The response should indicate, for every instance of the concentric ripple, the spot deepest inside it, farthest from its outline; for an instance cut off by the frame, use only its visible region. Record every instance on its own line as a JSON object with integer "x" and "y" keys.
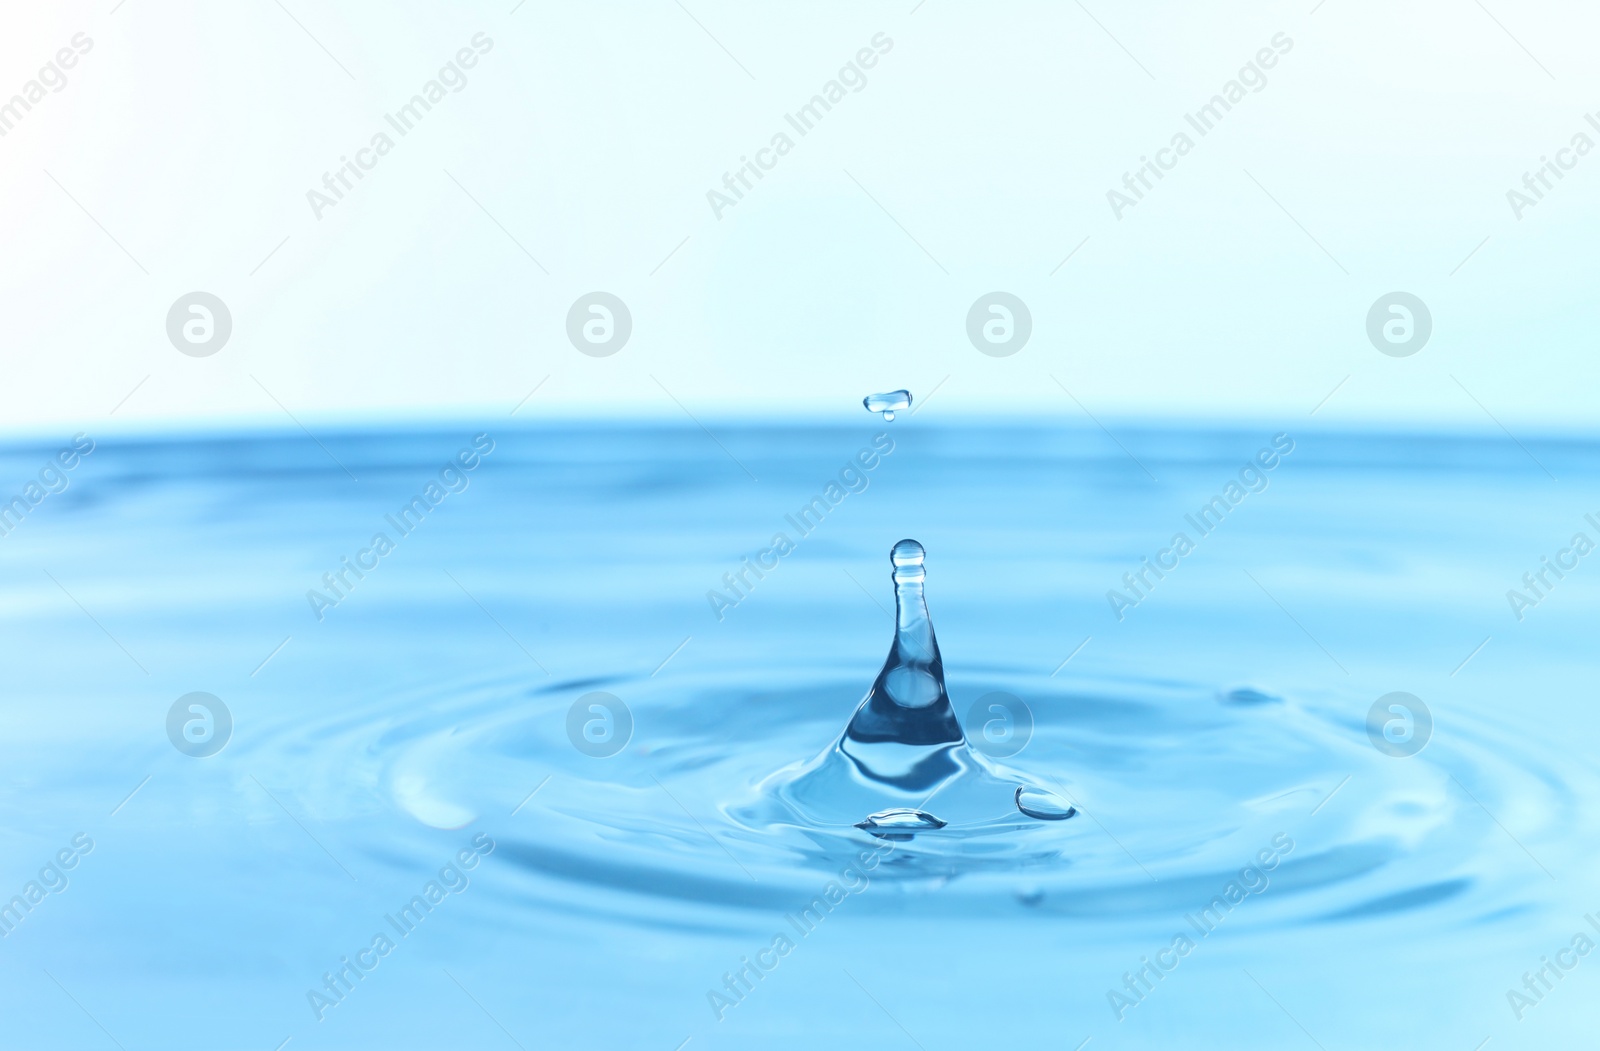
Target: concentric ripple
{"x": 1177, "y": 792}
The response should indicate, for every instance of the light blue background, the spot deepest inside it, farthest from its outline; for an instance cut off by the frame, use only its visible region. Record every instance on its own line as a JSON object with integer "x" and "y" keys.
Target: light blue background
{"x": 592, "y": 133}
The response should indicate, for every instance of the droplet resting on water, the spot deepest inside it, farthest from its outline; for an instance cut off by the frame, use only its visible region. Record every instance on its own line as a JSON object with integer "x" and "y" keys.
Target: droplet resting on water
{"x": 888, "y": 403}
{"x": 899, "y": 823}
{"x": 1046, "y": 806}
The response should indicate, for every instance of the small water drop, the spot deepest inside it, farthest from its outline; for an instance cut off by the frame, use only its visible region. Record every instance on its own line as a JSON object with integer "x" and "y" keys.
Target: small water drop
{"x": 1046, "y": 806}
{"x": 900, "y": 823}
{"x": 888, "y": 403}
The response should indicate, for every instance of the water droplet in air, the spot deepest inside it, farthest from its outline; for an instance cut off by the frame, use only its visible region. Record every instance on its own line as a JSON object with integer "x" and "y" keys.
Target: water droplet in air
{"x": 888, "y": 403}
{"x": 1046, "y": 806}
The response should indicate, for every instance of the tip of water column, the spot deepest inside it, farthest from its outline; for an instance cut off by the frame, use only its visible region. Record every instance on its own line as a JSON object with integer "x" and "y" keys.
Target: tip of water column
{"x": 907, "y": 553}
{"x": 907, "y": 561}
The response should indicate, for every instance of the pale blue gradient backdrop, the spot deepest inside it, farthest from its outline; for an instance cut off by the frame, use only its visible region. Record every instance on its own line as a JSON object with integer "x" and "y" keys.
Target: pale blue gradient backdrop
{"x": 592, "y": 133}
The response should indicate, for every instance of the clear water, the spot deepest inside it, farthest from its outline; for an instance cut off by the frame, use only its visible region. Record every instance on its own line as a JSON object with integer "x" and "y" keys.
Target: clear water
{"x": 546, "y": 770}
{"x": 888, "y": 404}
{"x": 904, "y": 742}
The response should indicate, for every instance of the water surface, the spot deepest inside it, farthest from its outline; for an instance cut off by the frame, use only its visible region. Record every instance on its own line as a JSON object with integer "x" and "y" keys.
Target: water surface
{"x": 538, "y": 745}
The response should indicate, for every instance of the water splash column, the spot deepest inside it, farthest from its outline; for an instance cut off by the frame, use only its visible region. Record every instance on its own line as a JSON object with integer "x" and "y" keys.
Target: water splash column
{"x": 904, "y": 745}
{"x": 914, "y": 673}
{"x": 908, "y": 705}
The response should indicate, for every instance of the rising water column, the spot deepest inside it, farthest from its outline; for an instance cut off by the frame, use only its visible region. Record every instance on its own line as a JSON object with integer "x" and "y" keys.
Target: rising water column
{"x": 904, "y": 747}
{"x": 905, "y": 731}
